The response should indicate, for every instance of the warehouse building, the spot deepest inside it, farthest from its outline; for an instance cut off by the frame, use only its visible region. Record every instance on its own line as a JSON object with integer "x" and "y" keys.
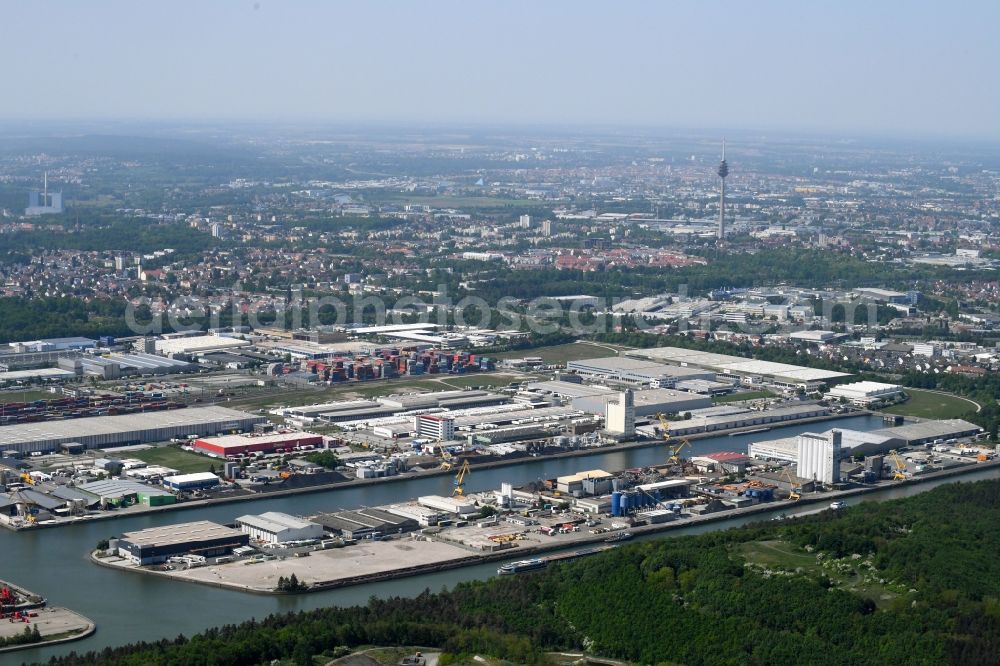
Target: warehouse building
{"x": 926, "y": 432}
{"x": 743, "y": 418}
{"x": 140, "y": 428}
{"x": 190, "y": 482}
{"x": 158, "y": 544}
{"x": 123, "y": 365}
{"x": 330, "y": 409}
{"x": 277, "y": 527}
{"x": 648, "y": 402}
{"x": 200, "y": 344}
{"x": 636, "y": 371}
{"x": 852, "y": 443}
{"x": 747, "y": 371}
{"x": 591, "y": 482}
{"x": 444, "y": 400}
{"x": 864, "y": 394}
{"x": 236, "y": 445}
{"x": 460, "y": 506}
{"x": 366, "y": 523}
{"x": 123, "y": 492}
{"x": 40, "y": 375}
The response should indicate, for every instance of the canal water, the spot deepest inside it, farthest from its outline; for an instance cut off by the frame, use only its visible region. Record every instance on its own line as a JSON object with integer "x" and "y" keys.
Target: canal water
{"x": 132, "y": 607}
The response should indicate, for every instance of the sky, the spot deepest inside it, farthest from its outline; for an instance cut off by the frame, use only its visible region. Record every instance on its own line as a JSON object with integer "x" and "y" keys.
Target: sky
{"x": 885, "y": 66}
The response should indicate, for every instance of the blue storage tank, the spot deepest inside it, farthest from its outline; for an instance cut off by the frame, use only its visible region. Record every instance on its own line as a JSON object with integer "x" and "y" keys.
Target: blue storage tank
{"x": 616, "y": 504}
{"x": 626, "y": 502}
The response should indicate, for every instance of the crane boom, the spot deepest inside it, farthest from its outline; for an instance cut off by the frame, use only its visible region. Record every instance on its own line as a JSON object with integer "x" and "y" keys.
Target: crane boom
{"x": 459, "y": 482}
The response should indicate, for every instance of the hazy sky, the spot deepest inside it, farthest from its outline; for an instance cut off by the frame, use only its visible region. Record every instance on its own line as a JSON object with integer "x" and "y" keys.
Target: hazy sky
{"x": 842, "y": 65}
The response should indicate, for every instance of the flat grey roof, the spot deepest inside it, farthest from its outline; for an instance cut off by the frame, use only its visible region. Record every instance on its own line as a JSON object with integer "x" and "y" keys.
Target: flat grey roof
{"x": 930, "y": 429}
{"x": 571, "y": 389}
{"x": 119, "y": 488}
{"x": 167, "y": 535}
{"x": 627, "y": 364}
{"x": 735, "y": 364}
{"x": 100, "y": 425}
{"x": 274, "y": 522}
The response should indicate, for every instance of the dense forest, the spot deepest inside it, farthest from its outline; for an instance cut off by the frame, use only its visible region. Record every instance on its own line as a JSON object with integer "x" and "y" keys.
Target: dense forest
{"x": 910, "y": 581}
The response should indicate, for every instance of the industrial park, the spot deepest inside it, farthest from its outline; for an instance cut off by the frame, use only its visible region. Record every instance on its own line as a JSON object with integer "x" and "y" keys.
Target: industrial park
{"x": 106, "y": 453}
{"x": 574, "y": 515}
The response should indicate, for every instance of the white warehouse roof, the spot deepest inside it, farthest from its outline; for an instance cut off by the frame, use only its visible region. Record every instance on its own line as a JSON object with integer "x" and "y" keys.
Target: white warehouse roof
{"x": 737, "y": 364}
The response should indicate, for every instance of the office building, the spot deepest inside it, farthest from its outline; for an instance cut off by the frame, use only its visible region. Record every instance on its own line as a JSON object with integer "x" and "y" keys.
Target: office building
{"x": 434, "y": 427}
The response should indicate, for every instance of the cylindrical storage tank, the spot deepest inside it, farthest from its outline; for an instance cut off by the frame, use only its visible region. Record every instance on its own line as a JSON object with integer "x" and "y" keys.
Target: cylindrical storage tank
{"x": 616, "y": 504}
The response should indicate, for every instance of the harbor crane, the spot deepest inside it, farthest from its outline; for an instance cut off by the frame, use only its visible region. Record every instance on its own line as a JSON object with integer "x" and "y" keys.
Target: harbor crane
{"x": 459, "y": 481}
{"x": 675, "y": 449}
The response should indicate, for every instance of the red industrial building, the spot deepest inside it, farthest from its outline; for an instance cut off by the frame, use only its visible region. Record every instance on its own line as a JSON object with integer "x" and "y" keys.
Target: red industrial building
{"x": 272, "y": 442}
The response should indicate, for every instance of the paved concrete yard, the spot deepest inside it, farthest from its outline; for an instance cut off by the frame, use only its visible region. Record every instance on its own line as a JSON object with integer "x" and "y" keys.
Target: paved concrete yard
{"x": 365, "y": 557}
{"x": 50, "y": 622}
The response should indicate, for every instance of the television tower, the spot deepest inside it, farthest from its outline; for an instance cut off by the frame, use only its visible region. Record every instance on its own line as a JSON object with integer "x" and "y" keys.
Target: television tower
{"x": 723, "y": 172}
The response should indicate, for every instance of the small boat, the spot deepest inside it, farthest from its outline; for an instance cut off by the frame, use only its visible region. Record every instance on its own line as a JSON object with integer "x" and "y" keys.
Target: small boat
{"x": 521, "y": 566}
{"x": 748, "y": 432}
{"x": 836, "y": 506}
{"x": 621, "y": 536}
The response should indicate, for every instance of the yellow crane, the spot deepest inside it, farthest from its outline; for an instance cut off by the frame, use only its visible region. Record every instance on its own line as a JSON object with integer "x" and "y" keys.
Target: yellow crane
{"x": 675, "y": 449}
{"x": 899, "y": 469}
{"x": 794, "y": 490}
{"x": 459, "y": 482}
{"x": 448, "y": 460}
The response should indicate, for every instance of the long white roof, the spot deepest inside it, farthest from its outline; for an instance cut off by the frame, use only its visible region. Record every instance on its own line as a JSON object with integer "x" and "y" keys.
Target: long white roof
{"x": 100, "y": 425}
{"x": 737, "y": 364}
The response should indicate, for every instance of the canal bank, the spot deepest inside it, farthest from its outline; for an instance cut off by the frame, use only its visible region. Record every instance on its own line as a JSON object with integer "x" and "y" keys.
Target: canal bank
{"x": 507, "y": 461}
{"x": 134, "y": 608}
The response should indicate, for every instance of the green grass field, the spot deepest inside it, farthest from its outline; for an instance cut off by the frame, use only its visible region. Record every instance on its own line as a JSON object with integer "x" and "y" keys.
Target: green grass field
{"x": 26, "y": 396}
{"x": 928, "y": 405}
{"x": 563, "y": 353}
{"x": 174, "y": 457}
{"x": 748, "y": 395}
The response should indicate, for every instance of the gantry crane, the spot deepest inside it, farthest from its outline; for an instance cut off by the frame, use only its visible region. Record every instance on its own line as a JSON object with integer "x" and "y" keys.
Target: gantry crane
{"x": 899, "y": 469}
{"x": 675, "y": 449}
{"x": 459, "y": 482}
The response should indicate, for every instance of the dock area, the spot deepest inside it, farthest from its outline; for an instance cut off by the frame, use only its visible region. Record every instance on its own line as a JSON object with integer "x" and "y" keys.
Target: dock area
{"x": 369, "y": 560}
{"x": 26, "y": 621}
